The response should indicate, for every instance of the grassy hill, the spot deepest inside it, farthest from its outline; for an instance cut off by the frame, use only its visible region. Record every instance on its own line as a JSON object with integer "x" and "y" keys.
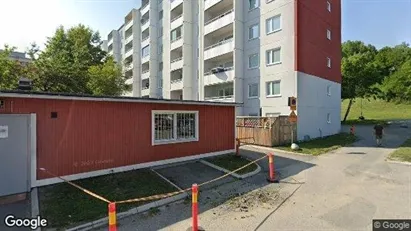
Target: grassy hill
{"x": 375, "y": 111}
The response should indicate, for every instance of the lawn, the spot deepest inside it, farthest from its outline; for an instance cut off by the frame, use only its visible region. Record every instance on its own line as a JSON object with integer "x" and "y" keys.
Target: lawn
{"x": 64, "y": 205}
{"x": 232, "y": 162}
{"x": 323, "y": 145}
{"x": 375, "y": 111}
{"x": 403, "y": 153}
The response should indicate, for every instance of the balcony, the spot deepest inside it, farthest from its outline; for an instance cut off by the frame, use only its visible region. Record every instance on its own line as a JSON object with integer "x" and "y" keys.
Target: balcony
{"x": 145, "y": 41}
{"x": 229, "y": 98}
{"x": 128, "y": 66}
{"x": 145, "y": 74}
{"x": 129, "y": 38}
{"x": 210, "y": 3}
{"x": 145, "y": 25}
{"x": 128, "y": 53}
{"x": 219, "y": 22}
{"x": 110, "y": 41}
{"x": 145, "y": 92}
{"x": 176, "y": 84}
{"x": 178, "y": 42}
{"x": 129, "y": 81}
{"x": 175, "y": 3}
{"x": 219, "y": 48}
{"x": 225, "y": 75}
{"x": 219, "y": 92}
{"x": 176, "y": 64}
{"x": 145, "y": 59}
{"x": 129, "y": 24}
{"x": 145, "y": 8}
{"x": 176, "y": 22}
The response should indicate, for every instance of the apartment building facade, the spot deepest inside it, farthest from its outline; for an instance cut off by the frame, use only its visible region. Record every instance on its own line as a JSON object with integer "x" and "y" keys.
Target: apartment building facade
{"x": 254, "y": 52}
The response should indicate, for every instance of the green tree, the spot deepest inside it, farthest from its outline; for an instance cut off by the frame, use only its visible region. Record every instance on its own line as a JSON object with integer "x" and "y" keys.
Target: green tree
{"x": 64, "y": 64}
{"x": 10, "y": 70}
{"x": 360, "y": 73}
{"x": 398, "y": 85}
{"x": 107, "y": 79}
{"x": 390, "y": 59}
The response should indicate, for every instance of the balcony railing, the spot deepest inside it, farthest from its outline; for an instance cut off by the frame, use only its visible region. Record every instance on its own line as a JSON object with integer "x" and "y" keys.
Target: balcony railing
{"x": 176, "y": 60}
{"x": 176, "y": 80}
{"x": 144, "y": 39}
{"x": 145, "y": 5}
{"x": 225, "y": 69}
{"x": 146, "y": 71}
{"x": 219, "y": 97}
{"x": 218, "y": 17}
{"x": 175, "y": 18}
{"x": 175, "y": 40}
{"x": 218, "y": 44}
{"x": 145, "y": 87}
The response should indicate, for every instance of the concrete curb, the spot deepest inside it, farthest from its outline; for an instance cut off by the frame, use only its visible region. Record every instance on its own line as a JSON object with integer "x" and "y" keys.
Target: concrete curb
{"x": 34, "y": 202}
{"x": 248, "y": 147}
{"x": 398, "y": 162}
{"x": 233, "y": 174}
{"x": 139, "y": 209}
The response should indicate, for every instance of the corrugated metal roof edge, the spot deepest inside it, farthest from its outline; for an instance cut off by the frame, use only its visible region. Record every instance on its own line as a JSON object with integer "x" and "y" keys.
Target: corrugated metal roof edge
{"x": 70, "y": 96}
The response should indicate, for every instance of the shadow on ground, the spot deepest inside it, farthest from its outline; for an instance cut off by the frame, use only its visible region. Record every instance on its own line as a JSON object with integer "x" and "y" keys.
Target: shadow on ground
{"x": 216, "y": 193}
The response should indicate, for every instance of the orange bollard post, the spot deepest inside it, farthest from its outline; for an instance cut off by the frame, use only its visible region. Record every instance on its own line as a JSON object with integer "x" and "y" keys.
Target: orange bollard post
{"x": 352, "y": 130}
{"x": 272, "y": 176}
{"x": 194, "y": 209}
{"x": 237, "y": 147}
{"x": 112, "y": 223}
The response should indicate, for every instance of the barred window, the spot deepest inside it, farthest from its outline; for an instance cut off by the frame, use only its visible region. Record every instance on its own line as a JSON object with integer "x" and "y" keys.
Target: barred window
{"x": 174, "y": 127}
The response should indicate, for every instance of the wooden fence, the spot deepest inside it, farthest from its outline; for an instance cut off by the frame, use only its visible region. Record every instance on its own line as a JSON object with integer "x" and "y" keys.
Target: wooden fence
{"x": 265, "y": 131}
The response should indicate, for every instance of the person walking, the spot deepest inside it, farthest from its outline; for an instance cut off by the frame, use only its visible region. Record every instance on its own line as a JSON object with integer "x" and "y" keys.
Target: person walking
{"x": 378, "y": 132}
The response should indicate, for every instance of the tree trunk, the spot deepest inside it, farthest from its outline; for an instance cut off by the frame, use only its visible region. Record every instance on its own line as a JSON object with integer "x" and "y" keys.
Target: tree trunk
{"x": 348, "y": 110}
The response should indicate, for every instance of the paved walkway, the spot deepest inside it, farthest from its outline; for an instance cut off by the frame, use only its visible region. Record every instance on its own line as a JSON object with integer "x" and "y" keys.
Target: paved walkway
{"x": 342, "y": 190}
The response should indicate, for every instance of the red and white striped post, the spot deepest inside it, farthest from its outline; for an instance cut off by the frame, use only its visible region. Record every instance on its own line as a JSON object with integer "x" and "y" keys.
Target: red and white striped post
{"x": 271, "y": 177}
{"x": 112, "y": 221}
{"x": 194, "y": 209}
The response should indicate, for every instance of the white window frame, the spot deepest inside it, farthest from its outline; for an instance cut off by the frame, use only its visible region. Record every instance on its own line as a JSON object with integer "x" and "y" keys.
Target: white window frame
{"x": 328, "y": 34}
{"x": 329, "y": 6}
{"x": 258, "y": 59}
{"x": 258, "y": 31}
{"x": 257, "y": 5}
{"x": 258, "y": 91}
{"x": 272, "y": 50}
{"x": 328, "y": 118}
{"x": 329, "y": 90}
{"x": 271, "y": 18}
{"x": 174, "y": 140}
{"x": 274, "y": 81}
{"x": 328, "y": 62}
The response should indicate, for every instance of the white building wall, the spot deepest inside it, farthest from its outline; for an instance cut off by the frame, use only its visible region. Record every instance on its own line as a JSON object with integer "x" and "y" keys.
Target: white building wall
{"x": 314, "y": 104}
{"x": 136, "y": 53}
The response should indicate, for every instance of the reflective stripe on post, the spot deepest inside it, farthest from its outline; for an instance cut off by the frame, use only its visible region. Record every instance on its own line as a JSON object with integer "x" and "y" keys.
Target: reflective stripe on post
{"x": 194, "y": 211}
{"x": 112, "y": 221}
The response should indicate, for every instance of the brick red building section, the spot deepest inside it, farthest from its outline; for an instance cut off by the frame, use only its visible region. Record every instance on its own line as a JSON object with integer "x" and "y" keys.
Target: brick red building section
{"x": 95, "y": 135}
{"x": 312, "y": 46}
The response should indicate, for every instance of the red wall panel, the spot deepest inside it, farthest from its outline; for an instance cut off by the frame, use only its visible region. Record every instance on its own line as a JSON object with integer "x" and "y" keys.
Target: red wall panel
{"x": 313, "y": 19}
{"x": 94, "y": 135}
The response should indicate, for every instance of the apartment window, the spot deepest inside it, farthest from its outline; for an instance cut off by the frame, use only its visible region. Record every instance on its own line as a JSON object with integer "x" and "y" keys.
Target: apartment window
{"x": 253, "y": 61}
{"x": 329, "y": 90}
{"x": 273, "y": 56}
{"x": 174, "y": 127}
{"x": 145, "y": 51}
{"x": 273, "y": 24}
{"x": 176, "y": 34}
{"x": 328, "y": 6}
{"x": 160, "y": 15}
{"x": 253, "y": 32}
{"x": 160, "y": 31}
{"x": 160, "y": 49}
{"x": 328, "y": 118}
{"x": 253, "y": 114}
{"x": 273, "y": 88}
{"x": 254, "y": 4}
{"x": 160, "y": 66}
{"x": 329, "y": 62}
{"x": 328, "y": 34}
{"x": 226, "y": 92}
{"x": 253, "y": 90}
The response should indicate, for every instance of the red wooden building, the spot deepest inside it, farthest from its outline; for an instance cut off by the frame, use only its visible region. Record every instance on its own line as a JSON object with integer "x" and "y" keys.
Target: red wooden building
{"x": 84, "y": 136}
